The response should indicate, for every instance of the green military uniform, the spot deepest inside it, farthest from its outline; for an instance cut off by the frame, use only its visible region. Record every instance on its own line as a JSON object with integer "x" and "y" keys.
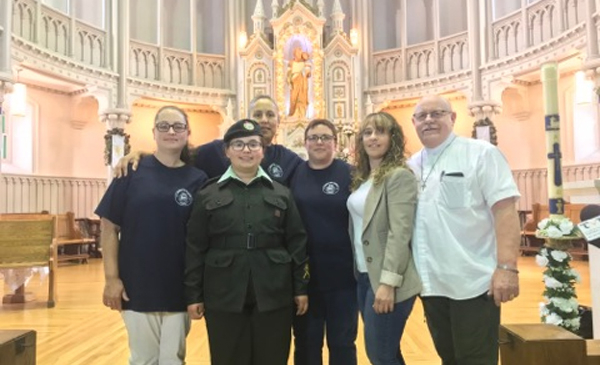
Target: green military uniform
{"x": 246, "y": 260}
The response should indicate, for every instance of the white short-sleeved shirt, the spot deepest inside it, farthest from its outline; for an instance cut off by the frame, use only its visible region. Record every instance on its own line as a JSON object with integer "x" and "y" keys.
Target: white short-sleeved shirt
{"x": 454, "y": 241}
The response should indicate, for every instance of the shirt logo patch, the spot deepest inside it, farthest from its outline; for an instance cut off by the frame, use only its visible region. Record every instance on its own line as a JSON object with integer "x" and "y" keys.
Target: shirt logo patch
{"x": 331, "y": 188}
{"x": 275, "y": 170}
{"x": 183, "y": 198}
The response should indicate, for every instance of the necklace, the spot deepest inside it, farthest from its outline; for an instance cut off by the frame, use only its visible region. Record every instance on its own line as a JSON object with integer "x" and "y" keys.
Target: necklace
{"x": 424, "y": 180}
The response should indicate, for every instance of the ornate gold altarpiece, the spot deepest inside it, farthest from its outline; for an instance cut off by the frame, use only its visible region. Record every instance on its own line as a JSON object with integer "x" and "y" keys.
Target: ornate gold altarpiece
{"x": 332, "y": 92}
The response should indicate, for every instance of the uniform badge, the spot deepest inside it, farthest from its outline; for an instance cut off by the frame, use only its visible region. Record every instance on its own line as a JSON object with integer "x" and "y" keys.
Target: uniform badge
{"x": 306, "y": 275}
{"x": 183, "y": 198}
{"x": 248, "y": 126}
{"x": 331, "y": 188}
{"x": 275, "y": 170}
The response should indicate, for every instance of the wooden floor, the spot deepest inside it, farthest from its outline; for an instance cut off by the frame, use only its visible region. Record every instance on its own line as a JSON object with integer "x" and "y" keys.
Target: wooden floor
{"x": 81, "y": 331}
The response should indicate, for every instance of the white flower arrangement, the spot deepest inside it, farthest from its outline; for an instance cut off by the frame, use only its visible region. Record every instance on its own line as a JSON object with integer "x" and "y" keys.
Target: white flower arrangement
{"x": 556, "y": 228}
{"x": 560, "y": 307}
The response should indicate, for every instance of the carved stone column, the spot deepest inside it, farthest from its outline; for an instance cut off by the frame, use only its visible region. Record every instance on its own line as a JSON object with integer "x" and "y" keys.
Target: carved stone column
{"x": 482, "y": 110}
{"x": 116, "y": 141}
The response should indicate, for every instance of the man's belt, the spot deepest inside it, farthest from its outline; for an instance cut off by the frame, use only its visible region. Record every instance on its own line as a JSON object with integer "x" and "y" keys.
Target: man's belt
{"x": 248, "y": 241}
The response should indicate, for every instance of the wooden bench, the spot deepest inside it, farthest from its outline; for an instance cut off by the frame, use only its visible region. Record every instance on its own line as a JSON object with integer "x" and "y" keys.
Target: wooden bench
{"x": 66, "y": 230}
{"x": 29, "y": 242}
{"x": 68, "y": 234}
{"x": 22, "y": 216}
{"x": 530, "y": 243}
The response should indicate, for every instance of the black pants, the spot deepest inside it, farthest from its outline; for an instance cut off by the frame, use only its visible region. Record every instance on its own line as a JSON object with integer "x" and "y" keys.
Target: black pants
{"x": 465, "y": 332}
{"x": 250, "y": 337}
{"x": 330, "y": 313}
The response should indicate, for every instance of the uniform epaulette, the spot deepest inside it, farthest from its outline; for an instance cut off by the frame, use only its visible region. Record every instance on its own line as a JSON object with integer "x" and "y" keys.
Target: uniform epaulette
{"x": 210, "y": 181}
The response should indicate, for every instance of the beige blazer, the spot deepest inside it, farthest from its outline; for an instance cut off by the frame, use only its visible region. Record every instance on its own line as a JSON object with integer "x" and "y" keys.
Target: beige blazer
{"x": 387, "y": 230}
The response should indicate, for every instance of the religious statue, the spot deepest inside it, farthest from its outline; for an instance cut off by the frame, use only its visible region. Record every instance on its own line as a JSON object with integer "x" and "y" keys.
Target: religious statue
{"x": 298, "y": 74}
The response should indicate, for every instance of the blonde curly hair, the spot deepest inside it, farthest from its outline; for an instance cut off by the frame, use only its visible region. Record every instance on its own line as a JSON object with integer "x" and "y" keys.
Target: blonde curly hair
{"x": 394, "y": 157}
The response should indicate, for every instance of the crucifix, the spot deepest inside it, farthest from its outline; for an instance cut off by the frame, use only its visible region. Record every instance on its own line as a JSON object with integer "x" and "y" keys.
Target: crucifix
{"x": 556, "y": 155}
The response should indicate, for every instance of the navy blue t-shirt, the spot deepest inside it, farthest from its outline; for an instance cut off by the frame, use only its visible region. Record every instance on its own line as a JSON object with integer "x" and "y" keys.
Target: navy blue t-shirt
{"x": 152, "y": 206}
{"x": 279, "y": 162}
{"x": 321, "y": 198}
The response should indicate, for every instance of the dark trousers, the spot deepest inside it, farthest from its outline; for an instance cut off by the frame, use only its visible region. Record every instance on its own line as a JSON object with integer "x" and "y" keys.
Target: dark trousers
{"x": 250, "y": 337}
{"x": 465, "y": 332}
{"x": 331, "y": 313}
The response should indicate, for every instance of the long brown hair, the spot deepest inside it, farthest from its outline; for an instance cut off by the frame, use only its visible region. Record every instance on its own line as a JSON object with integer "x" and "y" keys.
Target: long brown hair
{"x": 394, "y": 157}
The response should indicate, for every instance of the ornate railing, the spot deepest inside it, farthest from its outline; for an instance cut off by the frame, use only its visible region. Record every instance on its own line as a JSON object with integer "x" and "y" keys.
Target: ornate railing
{"x": 210, "y": 70}
{"x": 533, "y": 186}
{"x": 27, "y": 193}
{"x": 513, "y": 34}
{"x": 507, "y": 39}
{"x": 90, "y": 45}
{"x": 143, "y": 60}
{"x": 51, "y": 30}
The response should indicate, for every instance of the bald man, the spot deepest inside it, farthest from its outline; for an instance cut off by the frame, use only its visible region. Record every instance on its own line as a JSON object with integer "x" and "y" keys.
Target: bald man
{"x": 466, "y": 237}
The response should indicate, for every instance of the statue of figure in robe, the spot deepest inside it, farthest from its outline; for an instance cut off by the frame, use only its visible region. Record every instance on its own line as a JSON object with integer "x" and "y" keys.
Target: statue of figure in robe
{"x": 298, "y": 73}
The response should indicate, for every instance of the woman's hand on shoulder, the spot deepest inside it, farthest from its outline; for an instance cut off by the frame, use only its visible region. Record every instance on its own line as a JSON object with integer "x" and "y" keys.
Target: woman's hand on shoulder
{"x": 132, "y": 158}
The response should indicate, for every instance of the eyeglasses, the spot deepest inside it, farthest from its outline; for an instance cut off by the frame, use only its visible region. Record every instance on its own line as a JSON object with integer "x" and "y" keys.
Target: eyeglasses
{"x": 165, "y": 127}
{"x": 435, "y": 114}
{"x": 324, "y": 138}
{"x": 239, "y": 145}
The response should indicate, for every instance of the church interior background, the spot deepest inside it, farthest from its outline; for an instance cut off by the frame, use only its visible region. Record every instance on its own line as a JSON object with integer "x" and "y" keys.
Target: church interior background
{"x": 96, "y": 71}
{"x": 81, "y": 81}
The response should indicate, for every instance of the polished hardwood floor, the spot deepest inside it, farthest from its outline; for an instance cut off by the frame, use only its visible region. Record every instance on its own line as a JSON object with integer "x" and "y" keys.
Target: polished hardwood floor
{"x": 81, "y": 331}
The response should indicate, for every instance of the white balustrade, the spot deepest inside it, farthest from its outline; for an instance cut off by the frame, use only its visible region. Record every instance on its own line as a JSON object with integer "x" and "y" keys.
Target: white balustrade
{"x": 533, "y": 186}
{"x": 29, "y": 194}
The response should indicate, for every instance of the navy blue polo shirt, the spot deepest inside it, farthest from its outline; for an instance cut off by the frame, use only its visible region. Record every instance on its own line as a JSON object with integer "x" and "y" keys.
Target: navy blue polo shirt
{"x": 321, "y": 199}
{"x": 152, "y": 206}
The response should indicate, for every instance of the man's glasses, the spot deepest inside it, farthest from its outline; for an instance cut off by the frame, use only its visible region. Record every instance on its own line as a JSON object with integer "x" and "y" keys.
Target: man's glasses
{"x": 325, "y": 138}
{"x": 436, "y": 114}
{"x": 239, "y": 145}
{"x": 165, "y": 126}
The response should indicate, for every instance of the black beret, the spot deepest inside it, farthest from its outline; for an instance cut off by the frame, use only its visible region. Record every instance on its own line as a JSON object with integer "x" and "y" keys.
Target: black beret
{"x": 242, "y": 128}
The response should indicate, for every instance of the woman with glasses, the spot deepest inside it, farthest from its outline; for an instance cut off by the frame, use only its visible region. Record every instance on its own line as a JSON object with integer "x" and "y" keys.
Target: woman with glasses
{"x": 246, "y": 262}
{"x": 321, "y": 187}
{"x": 382, "y": 209}
{"x": 143, "y": 221}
